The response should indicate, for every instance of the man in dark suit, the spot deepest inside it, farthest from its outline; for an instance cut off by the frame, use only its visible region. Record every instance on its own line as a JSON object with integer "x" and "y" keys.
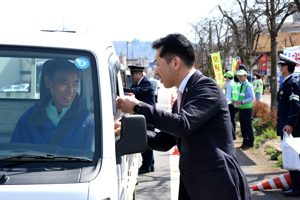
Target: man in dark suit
{"x": 143, "y": 91}
{"x": 199, "y": 125}
{"x": 288, "y": 112}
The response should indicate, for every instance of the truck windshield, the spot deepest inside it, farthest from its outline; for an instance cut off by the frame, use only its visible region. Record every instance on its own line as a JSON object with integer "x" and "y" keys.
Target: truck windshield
{"x": 46, "y": 103}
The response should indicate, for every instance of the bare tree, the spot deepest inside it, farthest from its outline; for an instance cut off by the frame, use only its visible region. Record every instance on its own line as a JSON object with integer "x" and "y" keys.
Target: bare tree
{"x": 202, "y": 46}
{"x": 297, "y": 4}
{"x": 246, "y": 29}
{"x": 276, "y": 12}
{"x": 289, "y": 40}
{"x": 213, "y": 36}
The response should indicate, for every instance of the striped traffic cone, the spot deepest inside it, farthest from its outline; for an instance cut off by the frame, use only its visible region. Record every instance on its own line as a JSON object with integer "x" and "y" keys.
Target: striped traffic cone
{"x": 283, "y": 181}
{"x": 175, "y": 152}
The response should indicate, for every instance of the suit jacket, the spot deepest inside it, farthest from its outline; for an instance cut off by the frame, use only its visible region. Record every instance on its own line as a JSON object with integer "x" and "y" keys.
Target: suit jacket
{"x": 288, "y": 106}
{"x": 143, "y": 92}
{"x": 202, "y": 131}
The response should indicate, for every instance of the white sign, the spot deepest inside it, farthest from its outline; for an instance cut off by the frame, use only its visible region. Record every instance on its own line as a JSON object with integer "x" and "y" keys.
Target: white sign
{"x": 293, "y": 52}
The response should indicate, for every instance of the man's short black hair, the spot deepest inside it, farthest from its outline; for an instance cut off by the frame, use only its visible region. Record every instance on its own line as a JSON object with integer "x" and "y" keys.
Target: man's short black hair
{"x": 176, "y": 45}
{"x": 60, "y": 65}
{"x": 291, "y": 67}
{"x": 258, "y": 75}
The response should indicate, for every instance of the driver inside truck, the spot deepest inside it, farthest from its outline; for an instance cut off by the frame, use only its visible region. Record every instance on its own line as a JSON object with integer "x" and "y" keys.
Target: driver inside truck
{"x": 60, "y": 118}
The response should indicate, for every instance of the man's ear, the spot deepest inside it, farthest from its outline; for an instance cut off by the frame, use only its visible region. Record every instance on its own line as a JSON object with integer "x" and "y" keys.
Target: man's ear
{"x": 47, "y": 81}
{"x": 177, "y": 62}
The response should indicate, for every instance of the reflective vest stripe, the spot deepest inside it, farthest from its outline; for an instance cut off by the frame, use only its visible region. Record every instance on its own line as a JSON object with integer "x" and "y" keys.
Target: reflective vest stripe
{"x": 242, "y": 96}
{"x": 258, "y": 90}
{"x": 234, "y": 90}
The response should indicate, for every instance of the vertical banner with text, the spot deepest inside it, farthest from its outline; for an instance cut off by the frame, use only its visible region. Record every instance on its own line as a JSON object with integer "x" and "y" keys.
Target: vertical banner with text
{"x": 234, "y": 63}
{"x": 216, "y": 61}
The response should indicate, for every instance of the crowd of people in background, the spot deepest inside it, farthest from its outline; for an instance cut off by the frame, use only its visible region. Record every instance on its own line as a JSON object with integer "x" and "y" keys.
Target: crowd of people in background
{"x": 203, "y": 120}
{"x": 240, "y": 93}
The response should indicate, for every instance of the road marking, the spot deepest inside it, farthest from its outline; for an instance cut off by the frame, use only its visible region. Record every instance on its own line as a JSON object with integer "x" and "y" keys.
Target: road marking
{"x": 174, "y": 171}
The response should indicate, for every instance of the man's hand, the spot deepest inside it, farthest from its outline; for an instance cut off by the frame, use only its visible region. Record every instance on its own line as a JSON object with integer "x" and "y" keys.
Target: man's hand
{"x": 239, "y": 103}
{"x": 117, "y": 126}
{"x": 126, "y": 104}
{"x": 288, "y": 129}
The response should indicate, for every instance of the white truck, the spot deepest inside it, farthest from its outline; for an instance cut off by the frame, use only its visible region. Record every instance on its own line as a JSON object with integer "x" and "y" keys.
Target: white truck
{"x": 108, "y": 169}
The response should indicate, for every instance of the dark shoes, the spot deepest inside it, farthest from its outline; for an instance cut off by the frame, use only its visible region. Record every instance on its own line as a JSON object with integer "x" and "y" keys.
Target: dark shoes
{"x": 152, "y": 169}
{"x": 143, "y": 171}
{"x": 244, "y": 147}
{"x": 240, "y": 147}
{"x": 285, "y": 189}
{"x": 291, "y": 193}
{"x": 247, "y": 147}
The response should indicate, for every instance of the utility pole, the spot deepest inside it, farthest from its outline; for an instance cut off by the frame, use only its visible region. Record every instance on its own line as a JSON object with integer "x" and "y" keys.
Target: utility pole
{"x": 132, "y": 50}
{"x": 210, "y": 51}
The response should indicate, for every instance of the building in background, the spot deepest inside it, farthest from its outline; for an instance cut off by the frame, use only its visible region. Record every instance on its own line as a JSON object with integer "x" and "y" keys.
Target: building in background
{"x": 287, "y": 37}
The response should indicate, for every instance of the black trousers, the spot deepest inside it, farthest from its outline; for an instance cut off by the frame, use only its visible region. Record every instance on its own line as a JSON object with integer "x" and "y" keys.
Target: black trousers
{"x": 295, "y": 176}
{"x": 245, "y": 116}
{"x": 148, "y": 158}
{"x": 233, "y": 111}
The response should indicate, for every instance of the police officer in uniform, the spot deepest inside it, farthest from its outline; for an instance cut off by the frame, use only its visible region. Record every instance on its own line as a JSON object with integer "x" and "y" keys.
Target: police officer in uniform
{"x": 288, "y": 112}
{"x": 232, "y": 94}
{"x": 143, "y": 91}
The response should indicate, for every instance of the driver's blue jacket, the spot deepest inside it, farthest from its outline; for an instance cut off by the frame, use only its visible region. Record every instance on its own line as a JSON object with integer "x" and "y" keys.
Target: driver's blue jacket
{"x": 35, "y": 127}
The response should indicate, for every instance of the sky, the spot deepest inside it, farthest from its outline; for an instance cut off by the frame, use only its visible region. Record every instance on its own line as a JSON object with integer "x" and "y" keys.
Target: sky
{"x": 118, "y": 20}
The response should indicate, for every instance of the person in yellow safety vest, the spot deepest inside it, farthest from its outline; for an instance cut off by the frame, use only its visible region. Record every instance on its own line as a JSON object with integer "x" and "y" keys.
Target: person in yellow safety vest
{"x": 232, "y": 94}
{"x": 245, "y": 105}
{"x": 258, "y": 87}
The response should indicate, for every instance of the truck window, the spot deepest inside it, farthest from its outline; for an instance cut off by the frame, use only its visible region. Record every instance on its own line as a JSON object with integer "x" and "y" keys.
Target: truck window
{"x": 47, "y": 102}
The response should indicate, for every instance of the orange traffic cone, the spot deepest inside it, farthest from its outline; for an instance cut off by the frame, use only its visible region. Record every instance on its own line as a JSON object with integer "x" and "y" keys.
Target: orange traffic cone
{"x": 172, "y": 101}
{"x": 175, "y": 152}
{"x": 283, "y": 181}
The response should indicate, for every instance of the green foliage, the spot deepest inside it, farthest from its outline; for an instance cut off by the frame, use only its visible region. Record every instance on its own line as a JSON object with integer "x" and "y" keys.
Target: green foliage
{"x": 257, "y": 125}
{"x": 279, "y": 160}
{"x": 269, "y": 134}
{"x": 269, "y": 150}
{"x": 275, "y": 154}
{"x": 258, "y": 141}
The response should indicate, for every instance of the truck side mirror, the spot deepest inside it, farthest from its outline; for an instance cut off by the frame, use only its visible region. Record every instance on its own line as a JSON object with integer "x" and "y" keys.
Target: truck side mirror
{"x": 133, "y": 135}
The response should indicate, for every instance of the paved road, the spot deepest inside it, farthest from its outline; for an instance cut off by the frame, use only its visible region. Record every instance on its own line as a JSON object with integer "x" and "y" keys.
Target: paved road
{"x": 163, "y": 183}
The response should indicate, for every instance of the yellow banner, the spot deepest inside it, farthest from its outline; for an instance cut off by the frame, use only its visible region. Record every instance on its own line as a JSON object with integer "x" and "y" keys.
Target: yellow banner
{"x": 234, "y": 63}
{"x": 216, "y": 60}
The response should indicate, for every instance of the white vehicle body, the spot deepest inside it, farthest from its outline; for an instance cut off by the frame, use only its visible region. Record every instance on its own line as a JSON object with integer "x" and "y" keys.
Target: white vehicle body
{"x": 109, "y": 170}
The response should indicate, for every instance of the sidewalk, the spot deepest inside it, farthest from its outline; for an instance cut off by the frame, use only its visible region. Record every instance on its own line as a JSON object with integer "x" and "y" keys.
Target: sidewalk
{"x": 266, "y": 98}
{"x": 258, "y": 168}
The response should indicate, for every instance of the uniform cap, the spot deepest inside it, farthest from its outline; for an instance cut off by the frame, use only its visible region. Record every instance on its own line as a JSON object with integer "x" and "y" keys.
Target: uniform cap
{"x": 287, "y": 60}
{"x": 136, "y": 68}
{"x": 229, "y": 74}
{"x": 242, "y": 66}
{"x": 241, "y": 72}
